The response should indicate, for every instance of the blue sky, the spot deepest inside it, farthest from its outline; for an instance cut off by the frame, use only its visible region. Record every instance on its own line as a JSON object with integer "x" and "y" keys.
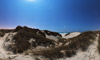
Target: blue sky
{"x": 55, "y": 15}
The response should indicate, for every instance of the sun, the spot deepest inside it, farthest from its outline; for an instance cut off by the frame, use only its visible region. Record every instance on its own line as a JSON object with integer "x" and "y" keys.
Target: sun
{"x": 31, "y": 0}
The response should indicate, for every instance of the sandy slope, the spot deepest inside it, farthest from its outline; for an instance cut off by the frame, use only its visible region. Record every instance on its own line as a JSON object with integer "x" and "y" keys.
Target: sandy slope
{"x": 71, "y": 35}
{"x": 52, "y": 37}
{"x": 90, "y": 54}
{"x": 3, "y": 53}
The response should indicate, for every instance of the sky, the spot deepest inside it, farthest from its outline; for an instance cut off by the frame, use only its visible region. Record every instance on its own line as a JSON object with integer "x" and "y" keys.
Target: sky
{"x": 54, "y": 15}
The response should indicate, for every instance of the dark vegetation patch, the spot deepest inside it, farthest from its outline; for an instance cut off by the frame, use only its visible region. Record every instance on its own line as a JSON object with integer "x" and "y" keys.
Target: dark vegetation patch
{"x": 52, "y": 33}
{"x": 98, "y": 32}
{"x": 3, "y": 31}
{"x": 36, "y": 31}
{"x": 24, "y": 34}
{"x": 50, "y": 53}
{"x": 81, "y": 42}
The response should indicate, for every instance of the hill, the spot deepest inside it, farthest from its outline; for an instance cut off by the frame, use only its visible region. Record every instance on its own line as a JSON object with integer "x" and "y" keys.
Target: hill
{"x": 24, "y": 43}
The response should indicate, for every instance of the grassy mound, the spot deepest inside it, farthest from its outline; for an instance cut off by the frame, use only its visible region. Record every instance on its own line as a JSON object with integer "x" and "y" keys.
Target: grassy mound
{"x": 81, "y": 42}
{"x": 23, "y": 36}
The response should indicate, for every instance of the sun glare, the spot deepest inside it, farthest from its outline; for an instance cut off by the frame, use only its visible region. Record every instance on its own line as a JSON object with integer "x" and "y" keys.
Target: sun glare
{"x": 31, "y": 0}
